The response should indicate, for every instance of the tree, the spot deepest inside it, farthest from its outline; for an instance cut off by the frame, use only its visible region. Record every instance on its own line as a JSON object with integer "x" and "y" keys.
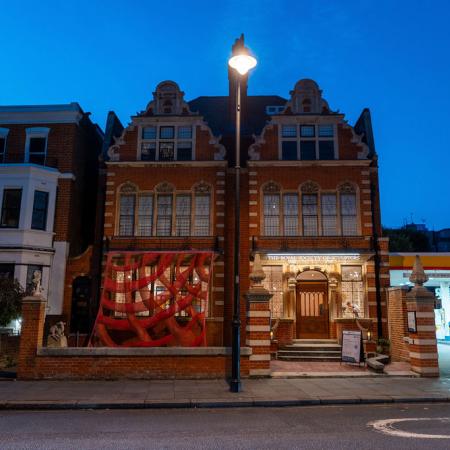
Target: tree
{"x": 407, "y": 239}
{"x": 11, "y": 294}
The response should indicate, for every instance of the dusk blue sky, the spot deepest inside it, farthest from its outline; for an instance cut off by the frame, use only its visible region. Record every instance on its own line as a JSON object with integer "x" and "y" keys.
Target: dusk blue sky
{"x": 390, "y": 56}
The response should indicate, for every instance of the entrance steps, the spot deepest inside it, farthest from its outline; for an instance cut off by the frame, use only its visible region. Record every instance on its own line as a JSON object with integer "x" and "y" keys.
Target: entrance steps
{"x": 319, "y": 350}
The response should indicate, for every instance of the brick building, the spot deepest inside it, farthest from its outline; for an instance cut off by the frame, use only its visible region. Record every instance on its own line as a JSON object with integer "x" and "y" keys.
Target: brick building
{"x": 48, "y": 171}
{"x": 309, "y": 208}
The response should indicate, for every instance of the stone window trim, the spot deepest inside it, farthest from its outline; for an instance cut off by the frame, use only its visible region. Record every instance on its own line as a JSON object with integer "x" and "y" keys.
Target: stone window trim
{"x": 309, "y": 188}
{"x": 36, "y": 132}
{"x": 3, "y": 142}
{"x": 316, "y": 138}
{"x": 198, "y": 189}
{"x": 176, "y": 140}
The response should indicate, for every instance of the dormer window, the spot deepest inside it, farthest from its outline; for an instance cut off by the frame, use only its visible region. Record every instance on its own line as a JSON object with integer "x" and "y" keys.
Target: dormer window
{"x": 167, "y": 143}
{"x": 307, "y": 142}
{"x": 36, "y": 145}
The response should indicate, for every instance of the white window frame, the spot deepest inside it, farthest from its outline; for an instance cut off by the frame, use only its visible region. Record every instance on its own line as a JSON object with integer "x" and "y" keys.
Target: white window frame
{"x": 36, "y": 132}
{"x": 175, "y": 140}
{"x": 3, "y": 135}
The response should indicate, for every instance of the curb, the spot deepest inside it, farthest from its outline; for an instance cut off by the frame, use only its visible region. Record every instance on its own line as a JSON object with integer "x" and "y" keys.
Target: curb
{"x": 185, "y": 404}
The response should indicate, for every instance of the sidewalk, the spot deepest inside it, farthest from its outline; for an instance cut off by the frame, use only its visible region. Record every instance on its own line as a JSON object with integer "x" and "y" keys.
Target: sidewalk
{"x": 127, "y": 394}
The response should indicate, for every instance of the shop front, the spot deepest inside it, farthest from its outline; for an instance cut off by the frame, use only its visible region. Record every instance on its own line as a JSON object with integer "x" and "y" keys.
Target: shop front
{"x": 315, "y": 296}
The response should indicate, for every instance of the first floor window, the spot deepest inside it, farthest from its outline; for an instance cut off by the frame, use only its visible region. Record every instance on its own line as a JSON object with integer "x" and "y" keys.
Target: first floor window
{"x": 202, "y": 215}
{"x": 164, "y": 215}
{"x": 289, "y": 150}
{"x": 166, "y": 151}
{"x": 326, "y": 150}
{"x": 183, "y": 215}
{"x": 271, "y": 214}
{"x": 12, "y": 199}
{"x": 148, "y": 151}
{"x": 2, "y": 149}
{"x": 184, "y": 151}
{"x": 145, "y": 215}
{"x": 348, "y": 214}
{"x": 309, "y": 212}
{"x": 290, "y": 214}
{"x": 40, "y": 206}
{"x": 307, "y": 150}
{"x": 329, "y": 214}
{"x": 126, "y": 215}
{"x": 352, "y": 292}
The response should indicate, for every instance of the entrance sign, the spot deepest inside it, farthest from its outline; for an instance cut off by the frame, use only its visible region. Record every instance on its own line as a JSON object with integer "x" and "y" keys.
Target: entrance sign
{"x": 412, "y": 327}
{"x": 352, "y": 348}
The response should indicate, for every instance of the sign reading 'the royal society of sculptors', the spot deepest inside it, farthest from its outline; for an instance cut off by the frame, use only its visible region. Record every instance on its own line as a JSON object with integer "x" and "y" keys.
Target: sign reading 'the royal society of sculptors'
{"x": 352, "y": 346}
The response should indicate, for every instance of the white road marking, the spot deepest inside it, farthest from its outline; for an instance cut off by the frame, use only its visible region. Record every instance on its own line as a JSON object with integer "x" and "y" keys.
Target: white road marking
{"x": 386, "y": 427}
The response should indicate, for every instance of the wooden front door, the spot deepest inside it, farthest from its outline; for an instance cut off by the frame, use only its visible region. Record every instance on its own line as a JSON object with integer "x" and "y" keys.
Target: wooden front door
{"x": 312, "y": 310}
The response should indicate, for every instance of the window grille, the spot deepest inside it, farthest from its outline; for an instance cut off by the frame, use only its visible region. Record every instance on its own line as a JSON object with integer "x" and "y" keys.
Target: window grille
{"x": 309, "y": 212}
{"x": 145, "y": 215}
{"x": 348, "y": 214}
{"x": 126, "y": 216}
{"x": 290, "y": 214}
{"x": 271, "y": 214}
{"x": 329, "y": 214}
{"x": 202, "y": 215}
{"x": 164, "y": 215}
{"x": 183, "y": 215}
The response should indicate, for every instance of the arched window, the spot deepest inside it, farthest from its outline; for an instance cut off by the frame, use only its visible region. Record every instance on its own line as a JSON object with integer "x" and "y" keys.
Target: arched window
{"x": 127, "y": 208}
{"x": 165, "y": 212}
{"x": 348, "y": 209}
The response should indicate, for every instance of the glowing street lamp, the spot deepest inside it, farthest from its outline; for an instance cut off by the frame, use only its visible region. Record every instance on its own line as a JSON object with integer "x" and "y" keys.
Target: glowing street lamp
{"x": 241, "y": 61}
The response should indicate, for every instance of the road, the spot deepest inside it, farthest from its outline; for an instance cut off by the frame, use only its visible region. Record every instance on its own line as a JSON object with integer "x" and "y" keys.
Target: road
{"x": 315, "y": 427}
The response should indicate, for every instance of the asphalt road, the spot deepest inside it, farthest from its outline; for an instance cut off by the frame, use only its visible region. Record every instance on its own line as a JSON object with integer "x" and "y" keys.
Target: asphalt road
{"x": 322, "y": 427}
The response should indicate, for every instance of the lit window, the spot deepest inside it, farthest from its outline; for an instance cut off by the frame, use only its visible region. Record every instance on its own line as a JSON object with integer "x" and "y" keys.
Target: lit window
{"x": 289, "y": 131}
{"x": 352, "y": 292}
{"x": 12, "y": 199}
{"x": 329, "y": 214}
{"x": 40, "y": 206}
{"x": 274, "y": 284}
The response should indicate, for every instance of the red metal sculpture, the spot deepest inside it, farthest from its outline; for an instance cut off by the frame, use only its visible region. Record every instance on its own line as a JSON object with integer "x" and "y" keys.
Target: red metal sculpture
{"x": 154, "y": 299}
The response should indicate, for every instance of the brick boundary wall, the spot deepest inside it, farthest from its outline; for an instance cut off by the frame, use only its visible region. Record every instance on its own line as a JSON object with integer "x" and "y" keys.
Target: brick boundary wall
{"x": 397, "y": 320}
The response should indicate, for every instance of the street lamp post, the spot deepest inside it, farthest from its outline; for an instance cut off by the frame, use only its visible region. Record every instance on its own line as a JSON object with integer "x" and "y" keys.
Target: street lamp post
{"x": 241, "y": 61}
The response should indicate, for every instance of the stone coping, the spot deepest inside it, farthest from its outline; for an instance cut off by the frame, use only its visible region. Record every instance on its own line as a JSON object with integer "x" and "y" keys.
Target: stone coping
{"x": 140, "y": 351}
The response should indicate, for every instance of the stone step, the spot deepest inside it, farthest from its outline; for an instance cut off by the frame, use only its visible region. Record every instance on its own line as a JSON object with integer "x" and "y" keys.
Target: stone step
{"x": 290, "y": 353}
{"x": 314, "y": 341}
{"x": 312, "y": 348}
{"x": 310, "y": 358}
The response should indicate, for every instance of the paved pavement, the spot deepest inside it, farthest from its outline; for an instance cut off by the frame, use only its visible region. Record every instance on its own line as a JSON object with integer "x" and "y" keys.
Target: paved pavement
{"x": 215, "y": 393}
{"x": 325, "y": 427}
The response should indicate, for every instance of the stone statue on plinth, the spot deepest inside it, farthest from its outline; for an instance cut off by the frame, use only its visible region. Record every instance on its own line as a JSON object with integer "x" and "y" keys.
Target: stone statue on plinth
{"x": 56, "y": 337}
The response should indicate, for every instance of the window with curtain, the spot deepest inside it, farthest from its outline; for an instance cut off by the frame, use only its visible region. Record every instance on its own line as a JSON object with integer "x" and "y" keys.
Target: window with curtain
{"x": 272, "y": 214}
{"x": 329, "y": 214}
{"x": 126, "y": 215}
{"x": 164, "y": 215}
{"x": 309, "y": 213}
{"x": 290, "y": 214}
{"x": 183, "y": 215}
{"x": 145, "y": 215}
{"x": 348, "y": 214}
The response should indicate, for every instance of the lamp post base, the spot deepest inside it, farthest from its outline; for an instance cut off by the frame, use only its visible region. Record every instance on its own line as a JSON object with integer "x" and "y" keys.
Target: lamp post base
{"x": 235, "y": 386}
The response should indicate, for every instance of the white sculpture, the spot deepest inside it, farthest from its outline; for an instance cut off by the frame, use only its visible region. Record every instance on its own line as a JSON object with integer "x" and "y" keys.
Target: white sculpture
{"x": 56, "y": 338}
{"x": 37, "y": 288}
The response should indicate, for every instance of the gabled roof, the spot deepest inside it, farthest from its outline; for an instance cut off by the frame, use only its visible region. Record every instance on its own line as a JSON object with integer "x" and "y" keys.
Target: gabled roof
{"x": 216, "y": 112}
